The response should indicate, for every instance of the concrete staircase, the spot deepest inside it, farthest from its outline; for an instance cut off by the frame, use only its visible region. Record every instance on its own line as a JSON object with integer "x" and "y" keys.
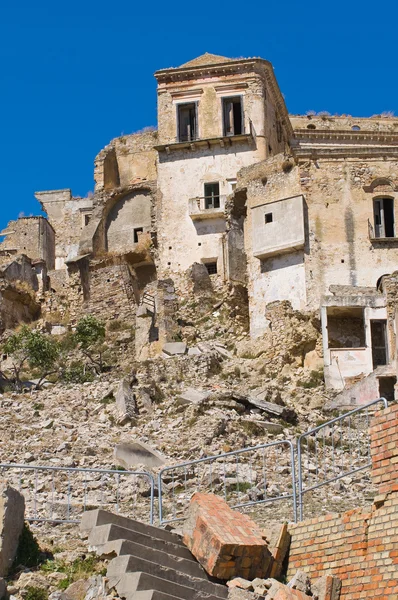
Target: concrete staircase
{"x": 148, "y": 563}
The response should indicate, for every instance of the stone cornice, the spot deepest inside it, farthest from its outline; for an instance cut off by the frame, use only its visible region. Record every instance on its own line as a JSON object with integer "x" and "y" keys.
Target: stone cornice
{"x": 344, "y": 135}
{"x": 311, "y": 152}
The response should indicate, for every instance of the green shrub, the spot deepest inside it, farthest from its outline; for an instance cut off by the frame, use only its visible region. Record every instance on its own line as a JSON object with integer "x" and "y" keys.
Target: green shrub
{"x": 36, "y": 593}
{"x": 116, "y": 325}
{"x": 77, "y": 373}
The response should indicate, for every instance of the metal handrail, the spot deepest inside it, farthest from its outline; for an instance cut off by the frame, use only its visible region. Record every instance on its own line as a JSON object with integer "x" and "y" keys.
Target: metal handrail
{"x": 113, "y": 472}
{"x": 214, "y": 458}
{"x": 314, "y": 432}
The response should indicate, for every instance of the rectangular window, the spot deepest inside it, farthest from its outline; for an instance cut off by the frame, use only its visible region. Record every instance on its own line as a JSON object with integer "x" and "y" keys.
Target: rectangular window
{"x": 212, "y": 195}
{"x": 268, "y": 218}
{"x": 211, "y": 268}
{"x": 187, "y": 122}
{"x": 233, "y": 115}
{"x": 136, "y": 234}
{"x": 379, "y": 342}
{"x": 383, "y": 210}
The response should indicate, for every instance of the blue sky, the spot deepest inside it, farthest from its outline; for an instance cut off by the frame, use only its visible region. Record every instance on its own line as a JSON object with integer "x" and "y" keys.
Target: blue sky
{"x": 75, "y": 75}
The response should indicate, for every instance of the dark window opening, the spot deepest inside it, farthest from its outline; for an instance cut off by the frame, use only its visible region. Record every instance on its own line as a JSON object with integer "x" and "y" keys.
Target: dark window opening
{"x": 5, "y": 356}
{"x": 278, "y": 132}
{"x": 311, "y": 126}
{"x": 355, "y": 128}
{"x": 386, "y": 387}
{"x": 346, "y": 327}
{"x": 383, "y": 210}
{"x": 379, "y": 342}
{"x": 187, "y": 122}
{"x": 268, "y": 218}
{"x": 211, "y": 268}
{"x": 86, "y": 220}
{"x": 136, "y": 232}
{"x": 212, "y": 195}
{"x": 233, "y": 115}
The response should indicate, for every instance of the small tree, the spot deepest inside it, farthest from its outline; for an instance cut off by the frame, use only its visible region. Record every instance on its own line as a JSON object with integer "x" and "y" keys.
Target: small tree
{"x": 90, "y": 335}
{"x": 40, "y": 351}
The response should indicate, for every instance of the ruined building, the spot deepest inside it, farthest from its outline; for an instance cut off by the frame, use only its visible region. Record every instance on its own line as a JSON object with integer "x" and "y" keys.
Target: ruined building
{"x": 296, "y": 208}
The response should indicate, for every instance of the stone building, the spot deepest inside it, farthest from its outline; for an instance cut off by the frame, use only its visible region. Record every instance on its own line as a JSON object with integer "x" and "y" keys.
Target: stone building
{"x": 296, "y": 208}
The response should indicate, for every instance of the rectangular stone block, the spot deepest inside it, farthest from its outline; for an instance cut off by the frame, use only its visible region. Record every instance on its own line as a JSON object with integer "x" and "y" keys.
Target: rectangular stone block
{"x": 227, "y": 544}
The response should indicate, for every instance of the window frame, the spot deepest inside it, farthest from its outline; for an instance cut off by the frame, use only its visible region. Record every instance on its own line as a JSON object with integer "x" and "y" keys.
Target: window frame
{"x": 179, "y": 105}
{"x": 212, "y": 264}
{"x": 215, "y": 198}
{"x": 224, "y": 100}
{"x": 380, "y": 229}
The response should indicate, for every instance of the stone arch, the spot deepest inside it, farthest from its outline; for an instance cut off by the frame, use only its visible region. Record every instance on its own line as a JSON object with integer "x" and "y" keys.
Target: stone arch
{"x": 128, "y": 216}
{"x": 381, "y": 185}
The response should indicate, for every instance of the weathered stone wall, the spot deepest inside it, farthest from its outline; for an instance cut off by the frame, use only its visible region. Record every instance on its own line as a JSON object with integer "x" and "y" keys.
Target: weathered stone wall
{"x": 359, "y": 546}
{"x": 129, "y": 213}
{"x": 338, "y": 250}
{"x": 126, "y": 160}
{"x": 183, "y": 172}
{"x": 67, "y": 216}
{"x": 388, "y": 123}
{"x": 32, "y": 236}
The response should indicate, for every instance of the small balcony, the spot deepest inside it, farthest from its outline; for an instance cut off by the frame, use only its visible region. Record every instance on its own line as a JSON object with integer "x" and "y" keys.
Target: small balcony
{"x": 206, "y": 207}
{"x": 377, "y": 236}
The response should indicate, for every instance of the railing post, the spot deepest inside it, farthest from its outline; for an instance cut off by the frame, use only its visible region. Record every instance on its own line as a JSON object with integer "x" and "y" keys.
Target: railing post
{"x": 160, "y": 497}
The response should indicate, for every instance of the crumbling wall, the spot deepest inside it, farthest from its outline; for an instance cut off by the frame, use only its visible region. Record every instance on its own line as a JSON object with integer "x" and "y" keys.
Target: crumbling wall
{"x": 33, "y": 236}
{"x": 126, "y": 160}
{"x": 292, "y": 338}
{"x": 130, "y": 213}
{"x": 67, "y": 215}
{"x": 359, "y": 546}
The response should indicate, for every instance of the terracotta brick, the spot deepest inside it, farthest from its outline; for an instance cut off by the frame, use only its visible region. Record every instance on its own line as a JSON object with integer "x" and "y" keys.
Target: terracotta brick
{"x": 213, "y": 532}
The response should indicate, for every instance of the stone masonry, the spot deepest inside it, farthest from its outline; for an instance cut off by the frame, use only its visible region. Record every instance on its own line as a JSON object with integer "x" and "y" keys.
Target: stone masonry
{"x": 295, "y": 209}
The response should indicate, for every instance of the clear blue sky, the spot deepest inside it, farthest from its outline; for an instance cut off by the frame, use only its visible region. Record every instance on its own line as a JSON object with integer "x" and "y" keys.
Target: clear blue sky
{"x": 74, "y": 75}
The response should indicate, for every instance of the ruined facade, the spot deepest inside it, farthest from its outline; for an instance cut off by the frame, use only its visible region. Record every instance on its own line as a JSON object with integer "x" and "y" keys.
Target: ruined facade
{"x": 293, "y": 208}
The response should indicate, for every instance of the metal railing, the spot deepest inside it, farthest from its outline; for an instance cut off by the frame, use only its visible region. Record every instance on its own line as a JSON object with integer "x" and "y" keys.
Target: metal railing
{"x": 62, "y": 494}
{"x": 336, "y": 449}
{"x": 262, "y": 474}
{"x": 149, "y": 301}
{"x": 207, "y": 206}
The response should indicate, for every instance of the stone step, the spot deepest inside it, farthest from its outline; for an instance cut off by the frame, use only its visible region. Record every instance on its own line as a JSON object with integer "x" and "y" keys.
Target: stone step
{"x": 103, "y": 534}
{"x": 165, "y": 559}
{"x": 122, "y": 565}
{"x": 94, "y": 518}
{"x": 135, "y": 586}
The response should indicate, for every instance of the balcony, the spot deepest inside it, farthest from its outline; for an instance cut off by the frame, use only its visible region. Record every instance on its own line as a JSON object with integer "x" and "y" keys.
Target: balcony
{"x": 376, "y": 239}
{"x": 198, "y": 143}
{"x": 206, "y": 207}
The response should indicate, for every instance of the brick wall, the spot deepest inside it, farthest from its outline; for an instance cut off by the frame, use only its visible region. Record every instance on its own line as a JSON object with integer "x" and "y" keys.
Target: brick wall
{"x": 384, "y": 450}
{"x": 359, "y": 546}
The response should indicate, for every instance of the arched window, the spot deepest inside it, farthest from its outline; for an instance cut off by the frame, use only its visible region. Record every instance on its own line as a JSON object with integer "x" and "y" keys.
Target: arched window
{"x": 356, "y": 128}
{"x": 311, "y": 126}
